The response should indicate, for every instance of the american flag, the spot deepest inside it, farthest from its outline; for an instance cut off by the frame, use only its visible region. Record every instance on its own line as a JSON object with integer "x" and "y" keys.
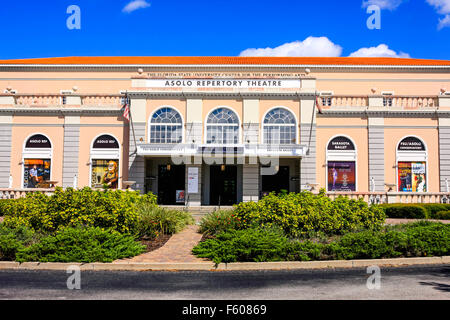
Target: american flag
{"x": 126, "y": 111}
{"x": 318, "y": 106}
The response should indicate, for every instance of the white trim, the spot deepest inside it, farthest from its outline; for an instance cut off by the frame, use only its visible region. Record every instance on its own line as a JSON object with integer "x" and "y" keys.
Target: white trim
{"x": 205, "y": 130}
{"x": 106, "y": 154}
{"x": 297, "y": 131}
{"x": 36, "y": 153}
{"x": 149, "y": 124}
{"x": 344, "y": 156}
{"x": 411, "y": 156}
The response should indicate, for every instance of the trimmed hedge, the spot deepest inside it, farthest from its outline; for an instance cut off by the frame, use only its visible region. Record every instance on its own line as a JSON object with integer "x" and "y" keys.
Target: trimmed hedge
{"x": 421, "y": 239}
{"x": 417, "y": 211}
{"x": 12, "y": 240}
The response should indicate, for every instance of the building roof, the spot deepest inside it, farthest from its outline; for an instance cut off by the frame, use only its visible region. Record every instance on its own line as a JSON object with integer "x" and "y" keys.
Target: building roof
{"x": 228, "y": 61}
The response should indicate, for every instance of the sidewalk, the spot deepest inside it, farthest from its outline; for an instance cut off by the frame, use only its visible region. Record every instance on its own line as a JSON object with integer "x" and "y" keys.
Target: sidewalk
{"x": 177, "y": 249}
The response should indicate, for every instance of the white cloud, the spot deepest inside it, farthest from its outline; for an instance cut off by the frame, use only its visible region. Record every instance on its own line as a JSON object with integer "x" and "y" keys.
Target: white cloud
{"x": 380, "y": 51}
{"x": 383, "y": 4}
{"x": 135, "y": 5}
{"x": 441, "y": 6}
{"x": 310, "y": 47}
{"x": 444, "y": 22}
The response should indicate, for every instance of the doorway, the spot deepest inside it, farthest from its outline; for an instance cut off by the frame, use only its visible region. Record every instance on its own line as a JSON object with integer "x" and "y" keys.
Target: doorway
{"x": 171, "y": 184}
{"x": 277, "y": 182}
{"x": 223, "y": 185}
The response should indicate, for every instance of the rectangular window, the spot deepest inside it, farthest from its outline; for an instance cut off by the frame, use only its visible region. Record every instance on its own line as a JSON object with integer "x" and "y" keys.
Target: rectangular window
{"x": 105, "y": 172}
{"x": 412, "y": 177}
{"x": 36, "y": 172}
{"x": 341, "y": 176}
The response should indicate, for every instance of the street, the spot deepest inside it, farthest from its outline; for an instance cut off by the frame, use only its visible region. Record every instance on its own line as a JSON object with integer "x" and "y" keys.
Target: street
{"x": 424, "y": 282}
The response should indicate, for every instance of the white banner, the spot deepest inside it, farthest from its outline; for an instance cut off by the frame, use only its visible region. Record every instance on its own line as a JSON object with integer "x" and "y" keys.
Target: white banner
{"x": 224, "y": 83}
{"x": 193, "y": 180}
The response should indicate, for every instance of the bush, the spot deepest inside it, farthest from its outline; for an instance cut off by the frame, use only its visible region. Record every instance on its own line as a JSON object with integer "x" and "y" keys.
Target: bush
{"x": 442, "y": 215}
{"x": 106, "y": 209}
{"x": 405, "y": 211}
{"x": 412, "y": 240}
{"x": 3, "y": 203}
{"x": 301, "y": 214}
{"x": 153, "y": 220}
{"x": 90, "y": 244}
{"x": 220, "y": 221}
{"x": 417, "y": 211}
{"x": 12, "y": 240}
{"x": 244, "y": 245}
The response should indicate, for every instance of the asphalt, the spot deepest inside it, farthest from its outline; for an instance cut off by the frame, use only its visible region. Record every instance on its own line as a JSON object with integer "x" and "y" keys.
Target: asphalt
{"x": 402, "y": 283}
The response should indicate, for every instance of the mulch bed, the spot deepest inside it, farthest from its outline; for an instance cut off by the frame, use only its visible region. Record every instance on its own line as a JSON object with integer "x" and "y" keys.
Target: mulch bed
{"x": 153, "y": 244}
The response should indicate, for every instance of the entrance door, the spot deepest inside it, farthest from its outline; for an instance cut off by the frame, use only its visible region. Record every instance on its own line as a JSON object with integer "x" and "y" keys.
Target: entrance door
{"x": 171, "y": 184}
{"x": 223, "y": 185}
{"x": 277, "y": 182}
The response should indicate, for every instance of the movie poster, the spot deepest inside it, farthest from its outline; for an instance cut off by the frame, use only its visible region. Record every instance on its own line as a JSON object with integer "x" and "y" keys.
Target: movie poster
{"x": 412, "y": 177}
{"x": 105, "y": 173}
{"x": 341, "y": 176}
{"x": 35, "y": 171}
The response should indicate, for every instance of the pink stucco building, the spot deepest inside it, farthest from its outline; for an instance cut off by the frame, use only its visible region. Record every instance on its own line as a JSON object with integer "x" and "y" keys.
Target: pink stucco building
{"x": 210, "y": 130}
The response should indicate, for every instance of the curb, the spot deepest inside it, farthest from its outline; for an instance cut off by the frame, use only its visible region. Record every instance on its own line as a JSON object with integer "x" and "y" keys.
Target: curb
{"x": 242, "y": 266}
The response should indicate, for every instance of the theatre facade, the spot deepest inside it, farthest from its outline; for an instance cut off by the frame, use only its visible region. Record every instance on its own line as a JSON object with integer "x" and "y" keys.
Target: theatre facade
{"x": 218, "y": 131}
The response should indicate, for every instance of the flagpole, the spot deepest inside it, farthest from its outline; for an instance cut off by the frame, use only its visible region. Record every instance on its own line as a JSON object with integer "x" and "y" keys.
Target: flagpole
{"x": 128, "y": 101}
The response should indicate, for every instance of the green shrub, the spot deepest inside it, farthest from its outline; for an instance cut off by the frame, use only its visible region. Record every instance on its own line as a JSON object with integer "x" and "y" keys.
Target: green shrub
{"x": 3, "y": 203}
{"x": 442, "y": 215}
{"x": 105, "y": 209}
{"x": 255, "y": 245}
{"x": 11, "y": 240}
{"x": 220, "y": 221}
{"x": 411, "y": 240}
{"x": 90, "y": 244}
{"x": 153, "y": 220}
{"x": 405, "y": 211}
{"x": 434, "y": 208}
{"x": 300, "y": 214}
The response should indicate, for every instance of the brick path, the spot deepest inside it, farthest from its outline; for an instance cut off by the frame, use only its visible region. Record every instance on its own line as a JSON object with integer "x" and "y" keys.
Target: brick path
{"x": 177, "y": 249}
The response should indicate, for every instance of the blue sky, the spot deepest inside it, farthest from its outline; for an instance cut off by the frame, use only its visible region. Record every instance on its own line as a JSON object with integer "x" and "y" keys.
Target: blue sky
{"x": 33, "y": 28}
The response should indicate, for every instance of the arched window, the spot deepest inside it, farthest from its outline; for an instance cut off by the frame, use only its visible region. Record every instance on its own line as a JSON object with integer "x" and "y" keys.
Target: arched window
{"x": 412, "y": 165}
{"x": 166, "y": 126}
{"x": 279, "y": 127}
{"x": 37, "y": 160}
{"x": 222, "y": 127}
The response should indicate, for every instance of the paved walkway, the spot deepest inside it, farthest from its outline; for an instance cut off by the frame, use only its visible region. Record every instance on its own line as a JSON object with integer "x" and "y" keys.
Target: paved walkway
{"x": 400, "y": 221}
{"x": 177, "y": 249}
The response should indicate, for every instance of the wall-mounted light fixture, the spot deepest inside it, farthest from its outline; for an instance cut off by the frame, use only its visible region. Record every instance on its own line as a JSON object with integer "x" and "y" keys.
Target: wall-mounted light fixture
{"x": 222, "y": 167}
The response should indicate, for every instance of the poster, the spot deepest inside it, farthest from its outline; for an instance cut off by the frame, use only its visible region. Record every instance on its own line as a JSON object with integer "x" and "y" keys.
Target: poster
{"x": 412, "y": 177}
{"x": 105, "y": 172}
{"x": 341, "y": 176}
{"x": 35, "y": 171}
{"x": 179, "y": 196}
{"x": 193, "y": 180}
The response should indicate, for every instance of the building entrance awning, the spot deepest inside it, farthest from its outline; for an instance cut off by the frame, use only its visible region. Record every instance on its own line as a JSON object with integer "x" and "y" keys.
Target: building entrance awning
{"x": 260, "y": 150}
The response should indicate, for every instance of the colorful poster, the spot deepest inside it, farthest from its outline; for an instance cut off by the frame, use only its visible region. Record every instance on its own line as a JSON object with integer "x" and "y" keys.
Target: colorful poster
{"x": 341, "y": 176}
{"x": 105, "y": 172}
{"x": 412, "y": 177}
{"x": 180, "y": 196}
{"x": 35, "y": 172}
